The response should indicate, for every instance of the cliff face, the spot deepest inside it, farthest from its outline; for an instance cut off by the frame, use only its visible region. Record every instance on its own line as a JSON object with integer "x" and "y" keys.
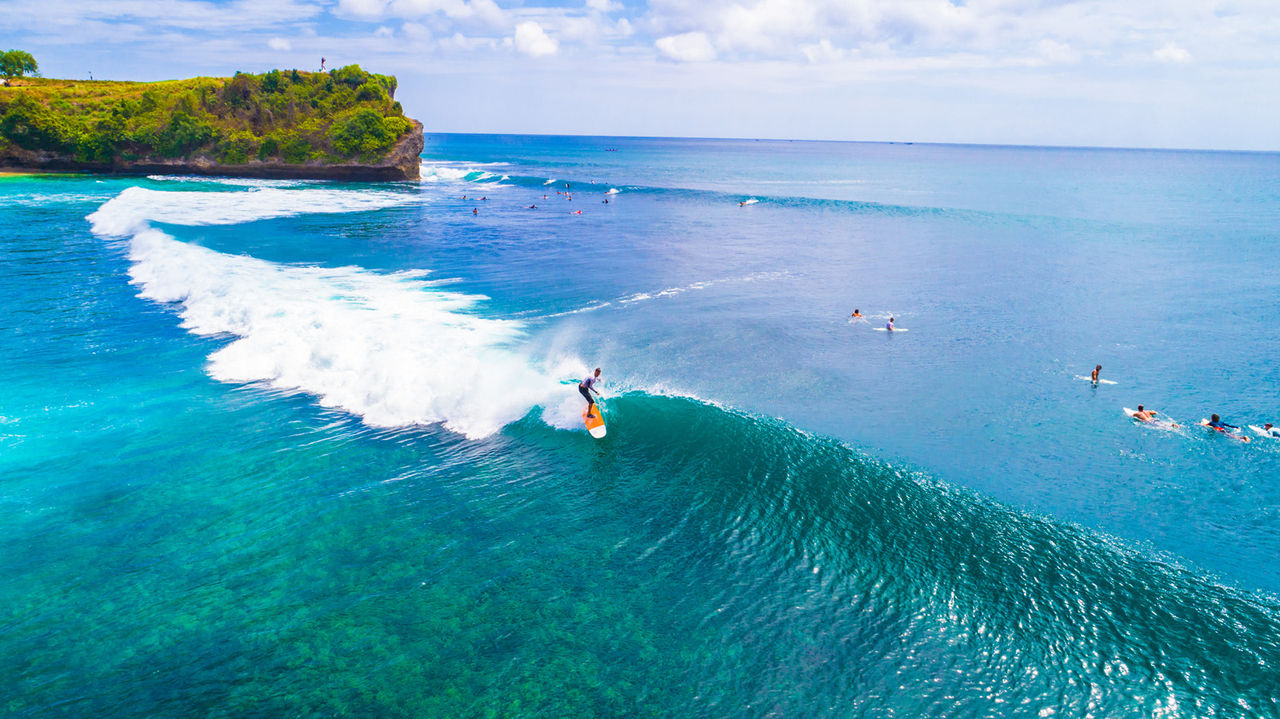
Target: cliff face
{"x": 401, "y": 163}
{"x": 342, "y": 125}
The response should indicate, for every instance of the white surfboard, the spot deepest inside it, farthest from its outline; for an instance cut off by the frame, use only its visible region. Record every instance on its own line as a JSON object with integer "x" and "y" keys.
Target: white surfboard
{"x": 895, "y": 329}
{"x": 1260, "y": 430}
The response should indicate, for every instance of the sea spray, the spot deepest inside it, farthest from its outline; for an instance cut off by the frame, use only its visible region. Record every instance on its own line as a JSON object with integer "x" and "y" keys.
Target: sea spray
{"x": 393, "y": 349}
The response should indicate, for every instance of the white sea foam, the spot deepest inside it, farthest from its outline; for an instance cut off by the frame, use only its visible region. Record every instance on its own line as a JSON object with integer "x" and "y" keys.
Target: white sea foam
{"x": 444, "y": 173}
{"x": 232, "y": 181}
{"x": 612, "y": 191}
{"x": 460, "y": 172}
{"x": 128, "y": 212}
{"x": 668, "y": 292}
{"x": 394, "y": 349}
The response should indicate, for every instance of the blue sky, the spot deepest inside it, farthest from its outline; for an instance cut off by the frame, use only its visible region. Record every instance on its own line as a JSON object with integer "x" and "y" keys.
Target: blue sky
{"x": 1135, "y": 73}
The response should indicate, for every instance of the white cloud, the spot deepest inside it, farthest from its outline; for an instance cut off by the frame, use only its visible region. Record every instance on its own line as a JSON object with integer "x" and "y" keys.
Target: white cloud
{"x": 532, "y": 40}
{"x": 482, "y": 12}
{"x": 458, "y": 41}
{"x": 1056, "y": 52}
{"x": 207, "y": 17}
{"x": 822, "y": 52}
{"x": 686, "y": 47}
{"x": 1171, "y": 52}
{"x": 279, "y": 43}
{"x": 604, "y": 5}
{"x": 417, "y": 32}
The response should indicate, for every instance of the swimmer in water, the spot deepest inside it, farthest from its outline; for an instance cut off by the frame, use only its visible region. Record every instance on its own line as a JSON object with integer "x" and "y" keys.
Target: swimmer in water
{"x": 857, "y": 314}
{"x": 474, "y": 211}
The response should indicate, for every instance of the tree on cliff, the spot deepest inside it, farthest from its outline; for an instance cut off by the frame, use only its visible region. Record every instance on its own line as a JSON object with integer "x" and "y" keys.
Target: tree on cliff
{"x": 16, "y": 63}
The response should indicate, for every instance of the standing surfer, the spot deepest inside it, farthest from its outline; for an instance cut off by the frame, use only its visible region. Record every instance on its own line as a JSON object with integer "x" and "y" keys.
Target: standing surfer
{"x": 586, "y": 387}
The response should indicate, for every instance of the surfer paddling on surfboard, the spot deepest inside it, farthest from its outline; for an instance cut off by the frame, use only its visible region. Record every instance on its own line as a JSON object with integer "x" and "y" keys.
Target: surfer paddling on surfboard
{"x": 1143, "y": 414}
{"x": 586, "y": 387}
{"x": 1216, "y": 424}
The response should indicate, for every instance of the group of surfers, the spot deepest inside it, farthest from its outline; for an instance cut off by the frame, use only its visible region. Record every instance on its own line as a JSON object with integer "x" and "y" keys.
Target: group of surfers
{"x": 565, "y": 193}
{"x": 857, "y": 315}
{"x": 1215, "y": 422}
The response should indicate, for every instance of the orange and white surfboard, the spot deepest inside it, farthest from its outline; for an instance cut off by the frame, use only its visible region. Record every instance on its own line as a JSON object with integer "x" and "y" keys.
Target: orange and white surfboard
{"x": 595, "y": 423}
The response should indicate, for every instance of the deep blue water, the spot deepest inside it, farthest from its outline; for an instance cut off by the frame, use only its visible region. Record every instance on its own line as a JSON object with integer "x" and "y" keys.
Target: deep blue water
{"x": 307, "y": 449}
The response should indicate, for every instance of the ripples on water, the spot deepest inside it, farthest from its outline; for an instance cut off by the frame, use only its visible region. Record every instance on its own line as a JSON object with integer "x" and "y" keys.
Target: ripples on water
{"x": 176, "y": 545}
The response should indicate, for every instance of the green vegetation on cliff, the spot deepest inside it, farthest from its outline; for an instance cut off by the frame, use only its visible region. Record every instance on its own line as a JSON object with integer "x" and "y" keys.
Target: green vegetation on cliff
{"x": 289, "y": 116}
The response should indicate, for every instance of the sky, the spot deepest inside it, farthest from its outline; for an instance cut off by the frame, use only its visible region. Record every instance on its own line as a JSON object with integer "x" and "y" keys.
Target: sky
{"x": 1119, "y": 73}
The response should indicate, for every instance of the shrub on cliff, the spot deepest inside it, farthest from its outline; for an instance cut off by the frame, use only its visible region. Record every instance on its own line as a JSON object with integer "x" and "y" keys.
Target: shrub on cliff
{"x": 32, "y": 126}
{"x": 238, "y": 148}
{"x": 364, "y": 132}
{"x": 290, "y": 116}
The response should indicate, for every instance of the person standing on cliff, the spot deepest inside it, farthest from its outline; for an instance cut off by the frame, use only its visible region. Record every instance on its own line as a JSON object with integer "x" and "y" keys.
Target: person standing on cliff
{"x": 321, "y": 64}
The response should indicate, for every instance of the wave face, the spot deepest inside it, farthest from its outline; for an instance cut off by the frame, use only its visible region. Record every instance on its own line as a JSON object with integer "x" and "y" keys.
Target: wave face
{"x": 394, "y": 349}
{"x": 899, "y": 595}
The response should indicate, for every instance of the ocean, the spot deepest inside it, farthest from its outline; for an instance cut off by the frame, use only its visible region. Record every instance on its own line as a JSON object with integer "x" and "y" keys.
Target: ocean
{"x": 290, "y": 448}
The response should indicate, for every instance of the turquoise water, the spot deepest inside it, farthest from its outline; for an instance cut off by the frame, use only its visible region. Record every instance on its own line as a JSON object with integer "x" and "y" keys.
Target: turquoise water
{"x": 288, "y": 448}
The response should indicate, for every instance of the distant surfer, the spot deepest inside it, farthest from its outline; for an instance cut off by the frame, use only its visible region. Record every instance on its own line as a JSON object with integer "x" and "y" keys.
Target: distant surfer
{"x": 1270, "y": 429}
{"x": 1094, "y": 376}
{"x": 587, "y": 386}
{"x": 857, "y": 314}
{"x": 888, "y": 326}
{"x": 475, "y": 211}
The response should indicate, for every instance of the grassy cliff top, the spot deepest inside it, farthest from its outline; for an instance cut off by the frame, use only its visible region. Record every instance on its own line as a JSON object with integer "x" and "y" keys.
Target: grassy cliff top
{"x": 282, "y": 116}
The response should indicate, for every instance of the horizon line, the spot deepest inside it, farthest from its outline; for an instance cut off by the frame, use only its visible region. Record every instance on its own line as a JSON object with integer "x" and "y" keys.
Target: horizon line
{"x": 1023, "y": 146}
